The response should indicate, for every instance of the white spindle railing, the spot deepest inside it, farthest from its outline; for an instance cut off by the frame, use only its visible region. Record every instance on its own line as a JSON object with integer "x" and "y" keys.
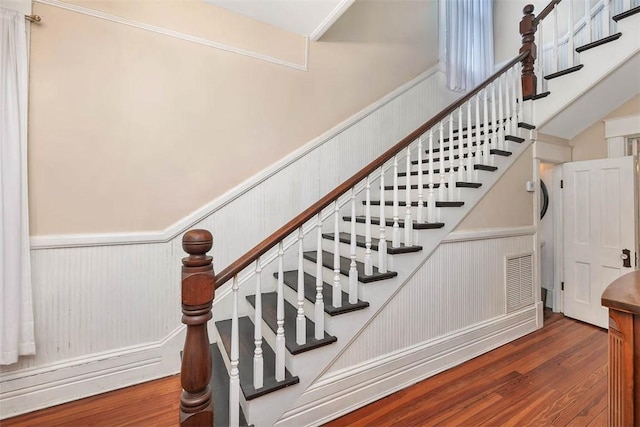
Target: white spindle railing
{"x": 353, "y": 267}
{"x": 301, "y": 323}
{"x": 431, "y": 202}
{"x": 395, "y": 237}
{"x": 420, "y": 210}
{"x": 280, "y": 340}
{"x": 319, "y": 306}
{"x": 337, "y": 285}
{"x": 477, "y": 127}
{"x": 234, "y": 373}
{"x": 558, "y": 52}
{"x": 368, "y": 259}
{"x": 258, "y": 362}
{"x": 382, "y": 243}
{"x": 408, "y": 220}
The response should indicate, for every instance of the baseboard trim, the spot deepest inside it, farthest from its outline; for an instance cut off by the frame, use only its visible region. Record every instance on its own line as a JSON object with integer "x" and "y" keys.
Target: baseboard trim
{"x": 342, "y": 392}
{"x": 28, "y": 390}
{"x": 179, "y": 227}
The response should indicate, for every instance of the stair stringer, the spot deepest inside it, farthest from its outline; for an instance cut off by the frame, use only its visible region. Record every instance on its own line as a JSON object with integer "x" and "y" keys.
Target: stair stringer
{"x": 268, "y": 409}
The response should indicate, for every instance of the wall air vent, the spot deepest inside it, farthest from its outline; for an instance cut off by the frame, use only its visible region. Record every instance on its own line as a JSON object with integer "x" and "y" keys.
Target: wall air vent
{"x": 518, "y": 281}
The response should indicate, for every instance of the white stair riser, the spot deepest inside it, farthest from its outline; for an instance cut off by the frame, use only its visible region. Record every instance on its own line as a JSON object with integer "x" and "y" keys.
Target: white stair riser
{"x": 375, "y": 232}
{"x": 345, "y": 248}
{"x": 327, "y": 274}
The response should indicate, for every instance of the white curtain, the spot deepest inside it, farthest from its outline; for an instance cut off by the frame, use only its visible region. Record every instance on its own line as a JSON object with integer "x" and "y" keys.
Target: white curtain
{"x": 469, "y": 42}
{"x": 16, "y": 312}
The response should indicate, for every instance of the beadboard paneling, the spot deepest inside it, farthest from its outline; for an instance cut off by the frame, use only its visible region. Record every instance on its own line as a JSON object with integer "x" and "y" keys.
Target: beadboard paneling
{"x": 461, "y": 284}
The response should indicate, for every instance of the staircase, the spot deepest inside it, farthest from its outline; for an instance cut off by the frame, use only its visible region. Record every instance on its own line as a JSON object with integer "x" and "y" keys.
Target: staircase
{"x": 299, "y": 298}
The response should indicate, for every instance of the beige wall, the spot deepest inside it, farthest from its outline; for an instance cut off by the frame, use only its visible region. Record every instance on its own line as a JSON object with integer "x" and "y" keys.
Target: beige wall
{"x": 591, "y": 143}
{"x": 132, "y": 130}
{"x": 508, "y": 203}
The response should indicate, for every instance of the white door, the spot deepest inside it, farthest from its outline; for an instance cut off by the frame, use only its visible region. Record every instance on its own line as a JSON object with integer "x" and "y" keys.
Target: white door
{"x": 599, "y": 223}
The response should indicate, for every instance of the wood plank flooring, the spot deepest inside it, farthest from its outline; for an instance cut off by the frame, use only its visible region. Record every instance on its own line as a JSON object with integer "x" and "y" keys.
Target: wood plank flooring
{"x": 554, "y": 377}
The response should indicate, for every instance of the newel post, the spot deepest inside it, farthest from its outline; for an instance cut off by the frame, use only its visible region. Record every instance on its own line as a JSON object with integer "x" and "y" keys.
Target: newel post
{"x": 198, "y": 291}
{"x": 528, "y": 31}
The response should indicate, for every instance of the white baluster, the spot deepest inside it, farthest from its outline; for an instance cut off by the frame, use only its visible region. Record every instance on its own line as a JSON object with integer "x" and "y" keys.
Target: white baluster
{"x": 395, "y": 237}
{"x": 471, "y": 149}
{"x": 519, "y": 101}
{"x": 487, "y": 135}
{"x": 452, "y": 178}
{"x": 353, "y": 267}
{"x": 570, "y": 42}
{"x": 368, "y": 261}
{"x": 280, "y": 348}
{"x": 500, "y": 113}
{"x": 442, "y": 189}
{"x": 319, "y": 306}
{"x": 606, "y": 19}
{"x": 301, "y": 321}
{"x": 541, "y": 71}
{"x": 507, "y": 104}
{"x": 460, "y": 161}
{"x": 420, "y": 210}
{"x": 514, "y": 99}
{"x": 494, "y": 117}
{"x": 337, "y": 285}
{"x": 511, "y": 101}
{"x": 234, "y": 374}
{"x": 408, "y": 220}
{"x": 556, "y": 58}
{"x": 382, "y": 243}
{"x": 587, "y": 19}
{"x": 258, "y": 362}
{"x": 431, "y": 203}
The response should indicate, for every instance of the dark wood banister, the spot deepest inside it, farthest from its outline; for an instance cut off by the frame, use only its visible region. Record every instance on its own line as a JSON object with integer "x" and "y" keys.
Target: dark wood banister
{"x": 314, "y": 209}
{"x": 547, "y": 10}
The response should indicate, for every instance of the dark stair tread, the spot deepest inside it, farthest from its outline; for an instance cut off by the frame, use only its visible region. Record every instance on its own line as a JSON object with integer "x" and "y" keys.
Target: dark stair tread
{"x": 564, "y": 72}
{"x": 497, "y": 152}
{"x": 361, "y": 242}
{"x": 485, "y": 167}
{"x": 526, "y": 125}
{"x": 598, "y": 42}
{"x": 466, "y": 145}
{"x": 626, "y": 13}
{"x": 459, "y": 184}
{"x": 536, "y": 96}
{"x": 269, "y": 315}
{"x": 220, "y": 390}
{"x": 514, "y": 139}
{"x": 291, "y": 280}
{"x": 437, "y": 170}
{"x": 246, "y": 348}
{"x": 439, "y": 204}
{"x": 389, "y": 222}
{"x": 345, "y": 263}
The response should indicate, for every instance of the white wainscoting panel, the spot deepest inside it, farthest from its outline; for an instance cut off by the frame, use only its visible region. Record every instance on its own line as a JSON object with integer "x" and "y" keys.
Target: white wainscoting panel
{"x": 460, "y": 285}
{"x": 97, "y": 299}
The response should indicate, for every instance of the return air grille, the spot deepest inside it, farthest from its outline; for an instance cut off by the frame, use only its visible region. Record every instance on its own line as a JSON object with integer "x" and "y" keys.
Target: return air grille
{"x": 519, "y": 281}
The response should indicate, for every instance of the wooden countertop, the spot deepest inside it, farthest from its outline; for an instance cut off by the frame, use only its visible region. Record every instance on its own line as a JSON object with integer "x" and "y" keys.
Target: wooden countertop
{"x": 624, "y": 293}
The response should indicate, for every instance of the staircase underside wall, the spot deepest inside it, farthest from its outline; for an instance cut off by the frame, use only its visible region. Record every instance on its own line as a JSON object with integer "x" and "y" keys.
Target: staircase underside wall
{"x": 451, "y": 310}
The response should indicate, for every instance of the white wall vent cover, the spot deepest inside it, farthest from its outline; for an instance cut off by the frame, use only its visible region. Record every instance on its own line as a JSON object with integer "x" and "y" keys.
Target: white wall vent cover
{"x": 518, "y": 281}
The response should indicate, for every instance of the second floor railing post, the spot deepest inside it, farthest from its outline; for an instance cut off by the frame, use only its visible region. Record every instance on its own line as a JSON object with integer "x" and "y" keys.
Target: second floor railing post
{"x": 198, "y": 291}
{"x": 528, "y": 31}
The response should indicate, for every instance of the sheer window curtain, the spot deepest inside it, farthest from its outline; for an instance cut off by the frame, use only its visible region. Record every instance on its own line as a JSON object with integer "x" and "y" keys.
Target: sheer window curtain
{"x": 16, "y": 312}
{"x": 468, "y": 42}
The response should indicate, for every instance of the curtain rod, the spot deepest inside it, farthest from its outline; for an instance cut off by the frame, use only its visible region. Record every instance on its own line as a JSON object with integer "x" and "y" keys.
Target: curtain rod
{"x": 33, "y": 18}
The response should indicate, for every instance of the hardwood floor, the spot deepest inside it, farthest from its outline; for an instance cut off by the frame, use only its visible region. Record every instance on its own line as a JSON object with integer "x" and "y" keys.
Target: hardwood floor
{"x": 556, "y": 376}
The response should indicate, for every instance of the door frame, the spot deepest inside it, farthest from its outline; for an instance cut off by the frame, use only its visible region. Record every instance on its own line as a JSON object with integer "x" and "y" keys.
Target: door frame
{"x": 617, "y": 131}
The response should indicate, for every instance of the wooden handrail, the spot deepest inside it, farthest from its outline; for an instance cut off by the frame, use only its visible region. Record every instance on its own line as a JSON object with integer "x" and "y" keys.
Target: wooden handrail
{"x": 547, "y": 10}
{"x": 258, "y": 250}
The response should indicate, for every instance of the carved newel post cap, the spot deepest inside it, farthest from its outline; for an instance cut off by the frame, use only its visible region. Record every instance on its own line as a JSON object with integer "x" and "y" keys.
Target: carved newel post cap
{"x": 197, "y": 243}
{"x": 528, "y": 9}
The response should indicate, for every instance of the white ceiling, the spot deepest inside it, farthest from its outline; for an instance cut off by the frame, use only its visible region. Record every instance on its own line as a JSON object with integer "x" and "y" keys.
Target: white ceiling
{"x": 305, "y": 17}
